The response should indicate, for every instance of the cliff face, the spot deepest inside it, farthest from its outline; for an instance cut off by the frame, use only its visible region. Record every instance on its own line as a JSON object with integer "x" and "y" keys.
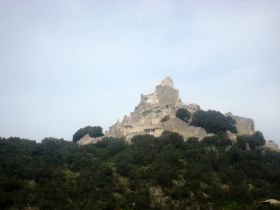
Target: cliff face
{"x": 156, "y": 113}
{"x": 245, "y": 126}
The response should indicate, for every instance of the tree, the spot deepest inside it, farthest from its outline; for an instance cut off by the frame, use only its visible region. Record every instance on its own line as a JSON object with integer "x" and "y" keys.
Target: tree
{"x": 95, "y": 131}
{"x": 254, "y": 141}
{"x": 220, "y": 139}
{"x": 183, "y": 114}
{"x": 52, "y": 140}
{"x": 111, "y": 174}
{"x": 213, "y": 121}
{"x": 171, "y": 138}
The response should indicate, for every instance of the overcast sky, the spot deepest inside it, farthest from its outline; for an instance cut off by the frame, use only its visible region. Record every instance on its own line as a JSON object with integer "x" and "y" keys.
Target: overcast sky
{"x": 65, "y": 64}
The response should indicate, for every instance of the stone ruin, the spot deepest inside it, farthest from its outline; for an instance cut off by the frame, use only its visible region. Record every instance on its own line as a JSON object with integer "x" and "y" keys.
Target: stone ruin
{"x": 156, "y": 113}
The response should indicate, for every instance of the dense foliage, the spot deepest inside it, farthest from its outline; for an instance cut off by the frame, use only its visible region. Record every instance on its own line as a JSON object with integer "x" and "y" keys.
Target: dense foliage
{"x": 95, "y": 131}
{"x": 213, "y": 121}
{"x": 253, "y": 141}
{"x": 150, "y": 173}
{"x": 183, "y": 114}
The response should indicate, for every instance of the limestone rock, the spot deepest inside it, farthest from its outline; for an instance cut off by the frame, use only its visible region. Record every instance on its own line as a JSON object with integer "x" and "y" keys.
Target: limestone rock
{"x": 192, "y": 108}
{"x": 88, "y": 140}
{"x": 272, "y": 146}
{"x": 157, "y": 197}
{"x": 271, "y": 202}
{"x": 187, "y": 131}
{"x": 245, "y": 126}
{"x": 232, "y": 136}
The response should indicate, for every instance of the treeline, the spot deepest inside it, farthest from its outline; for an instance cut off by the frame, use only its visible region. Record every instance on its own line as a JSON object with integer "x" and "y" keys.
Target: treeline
{"x": 149, "y": 173}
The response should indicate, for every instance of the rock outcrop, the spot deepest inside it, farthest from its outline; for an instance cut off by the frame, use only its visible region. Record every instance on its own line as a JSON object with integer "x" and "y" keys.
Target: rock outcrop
{"x": 271, "y": 146}
{"x": 244, "y": 126}
{"x": 156, "y": 113}
{"x": 88, "y": 140}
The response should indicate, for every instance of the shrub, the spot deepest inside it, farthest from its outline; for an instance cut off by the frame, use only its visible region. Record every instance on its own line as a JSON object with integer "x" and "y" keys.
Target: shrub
{"x": 213, "y": 121}
{"x": 221, "y": 139}
{"x": 254, "y": 141}
{"x": 183, "y": 114}
{"x": 171, "y": 138}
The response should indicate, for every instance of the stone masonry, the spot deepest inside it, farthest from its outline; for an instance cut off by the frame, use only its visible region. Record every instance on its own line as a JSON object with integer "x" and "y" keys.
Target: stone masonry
{"x": 156, "y": 113}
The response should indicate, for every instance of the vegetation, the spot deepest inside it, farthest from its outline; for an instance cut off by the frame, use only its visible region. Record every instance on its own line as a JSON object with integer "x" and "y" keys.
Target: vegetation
{"x": 253, "y": 141}
{"x": 213, "y": 121}
{"x": 165, "y": 118}
{"x": 150, "y": 173}
{"x": 94, "y": 132}
{"x": 183, "y": 114}
{"x": 221, "y": 139}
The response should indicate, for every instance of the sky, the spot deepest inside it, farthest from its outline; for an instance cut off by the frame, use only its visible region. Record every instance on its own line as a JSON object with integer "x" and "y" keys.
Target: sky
{"x": 66, "y": 64}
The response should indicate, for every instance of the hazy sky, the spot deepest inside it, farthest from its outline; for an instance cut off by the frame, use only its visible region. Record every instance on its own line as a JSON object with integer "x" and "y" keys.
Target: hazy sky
{"x": 65, "y": 64}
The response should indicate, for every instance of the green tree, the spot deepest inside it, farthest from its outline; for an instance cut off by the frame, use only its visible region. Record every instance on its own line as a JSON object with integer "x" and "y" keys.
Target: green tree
{"x": 213, "y": 121}
{"x": 220, "y": 139}
{"x": 171, "y": 138}
{"x": 254, "y": 141}
{"x": 183, "y": 114}
{"x": 95, "y": 131}
{"x": 111, "y": 174}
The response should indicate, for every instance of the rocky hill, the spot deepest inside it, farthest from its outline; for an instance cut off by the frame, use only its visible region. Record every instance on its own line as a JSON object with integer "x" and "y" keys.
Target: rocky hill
{"x": 226, "y": 166}
{"x": 156, "y": 113}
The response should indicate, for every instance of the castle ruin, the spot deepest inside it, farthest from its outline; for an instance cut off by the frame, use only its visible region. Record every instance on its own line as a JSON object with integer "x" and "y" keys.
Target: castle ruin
{"x": 156, "y": 113}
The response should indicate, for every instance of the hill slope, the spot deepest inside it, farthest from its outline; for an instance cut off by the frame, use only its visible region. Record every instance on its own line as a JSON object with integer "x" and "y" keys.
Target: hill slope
{"x": 150, "y": 173}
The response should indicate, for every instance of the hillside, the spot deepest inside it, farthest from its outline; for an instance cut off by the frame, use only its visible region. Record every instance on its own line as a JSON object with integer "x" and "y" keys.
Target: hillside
{"x": 163, "y": 172}
{"x": 165, "y": 155}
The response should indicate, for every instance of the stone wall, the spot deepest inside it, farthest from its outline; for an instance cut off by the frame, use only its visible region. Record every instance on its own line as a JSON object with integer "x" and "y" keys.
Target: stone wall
{"x": 181, "y": 127}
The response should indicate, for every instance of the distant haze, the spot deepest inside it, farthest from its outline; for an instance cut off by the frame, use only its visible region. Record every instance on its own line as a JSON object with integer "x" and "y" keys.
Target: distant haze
{"x": 65, "y": 64}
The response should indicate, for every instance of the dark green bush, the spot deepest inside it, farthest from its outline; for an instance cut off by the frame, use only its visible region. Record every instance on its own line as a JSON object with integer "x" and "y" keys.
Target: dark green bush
{"x": 95, "y": 131}
{"x": 220, "y": 139}
{"x": 254, "y": 141}
{"x": 213, "y": 121}
{"x": 183, "y": 114}
{"x": 113, "y": 174}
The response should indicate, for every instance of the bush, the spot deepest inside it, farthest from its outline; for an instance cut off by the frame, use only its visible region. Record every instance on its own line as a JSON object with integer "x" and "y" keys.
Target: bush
{"x": 171, "y": 138}
{"x": 165, "y": 118}
{"x": 253, "y": 141}
{"x": 183, "y": 114}
{"x": 93, "y": 132}
{"x": 221, "y": 139}
{"x": 112, "y": 145}
{"x": 150, "y": 173}
{"x": 213, "y": 121}
{"x": 192, "y": 140}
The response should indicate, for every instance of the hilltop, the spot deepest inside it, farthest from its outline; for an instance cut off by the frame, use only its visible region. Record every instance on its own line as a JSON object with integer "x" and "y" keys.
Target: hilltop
{"x": 165, "y": 155}
{"x": 163, "y": 110}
